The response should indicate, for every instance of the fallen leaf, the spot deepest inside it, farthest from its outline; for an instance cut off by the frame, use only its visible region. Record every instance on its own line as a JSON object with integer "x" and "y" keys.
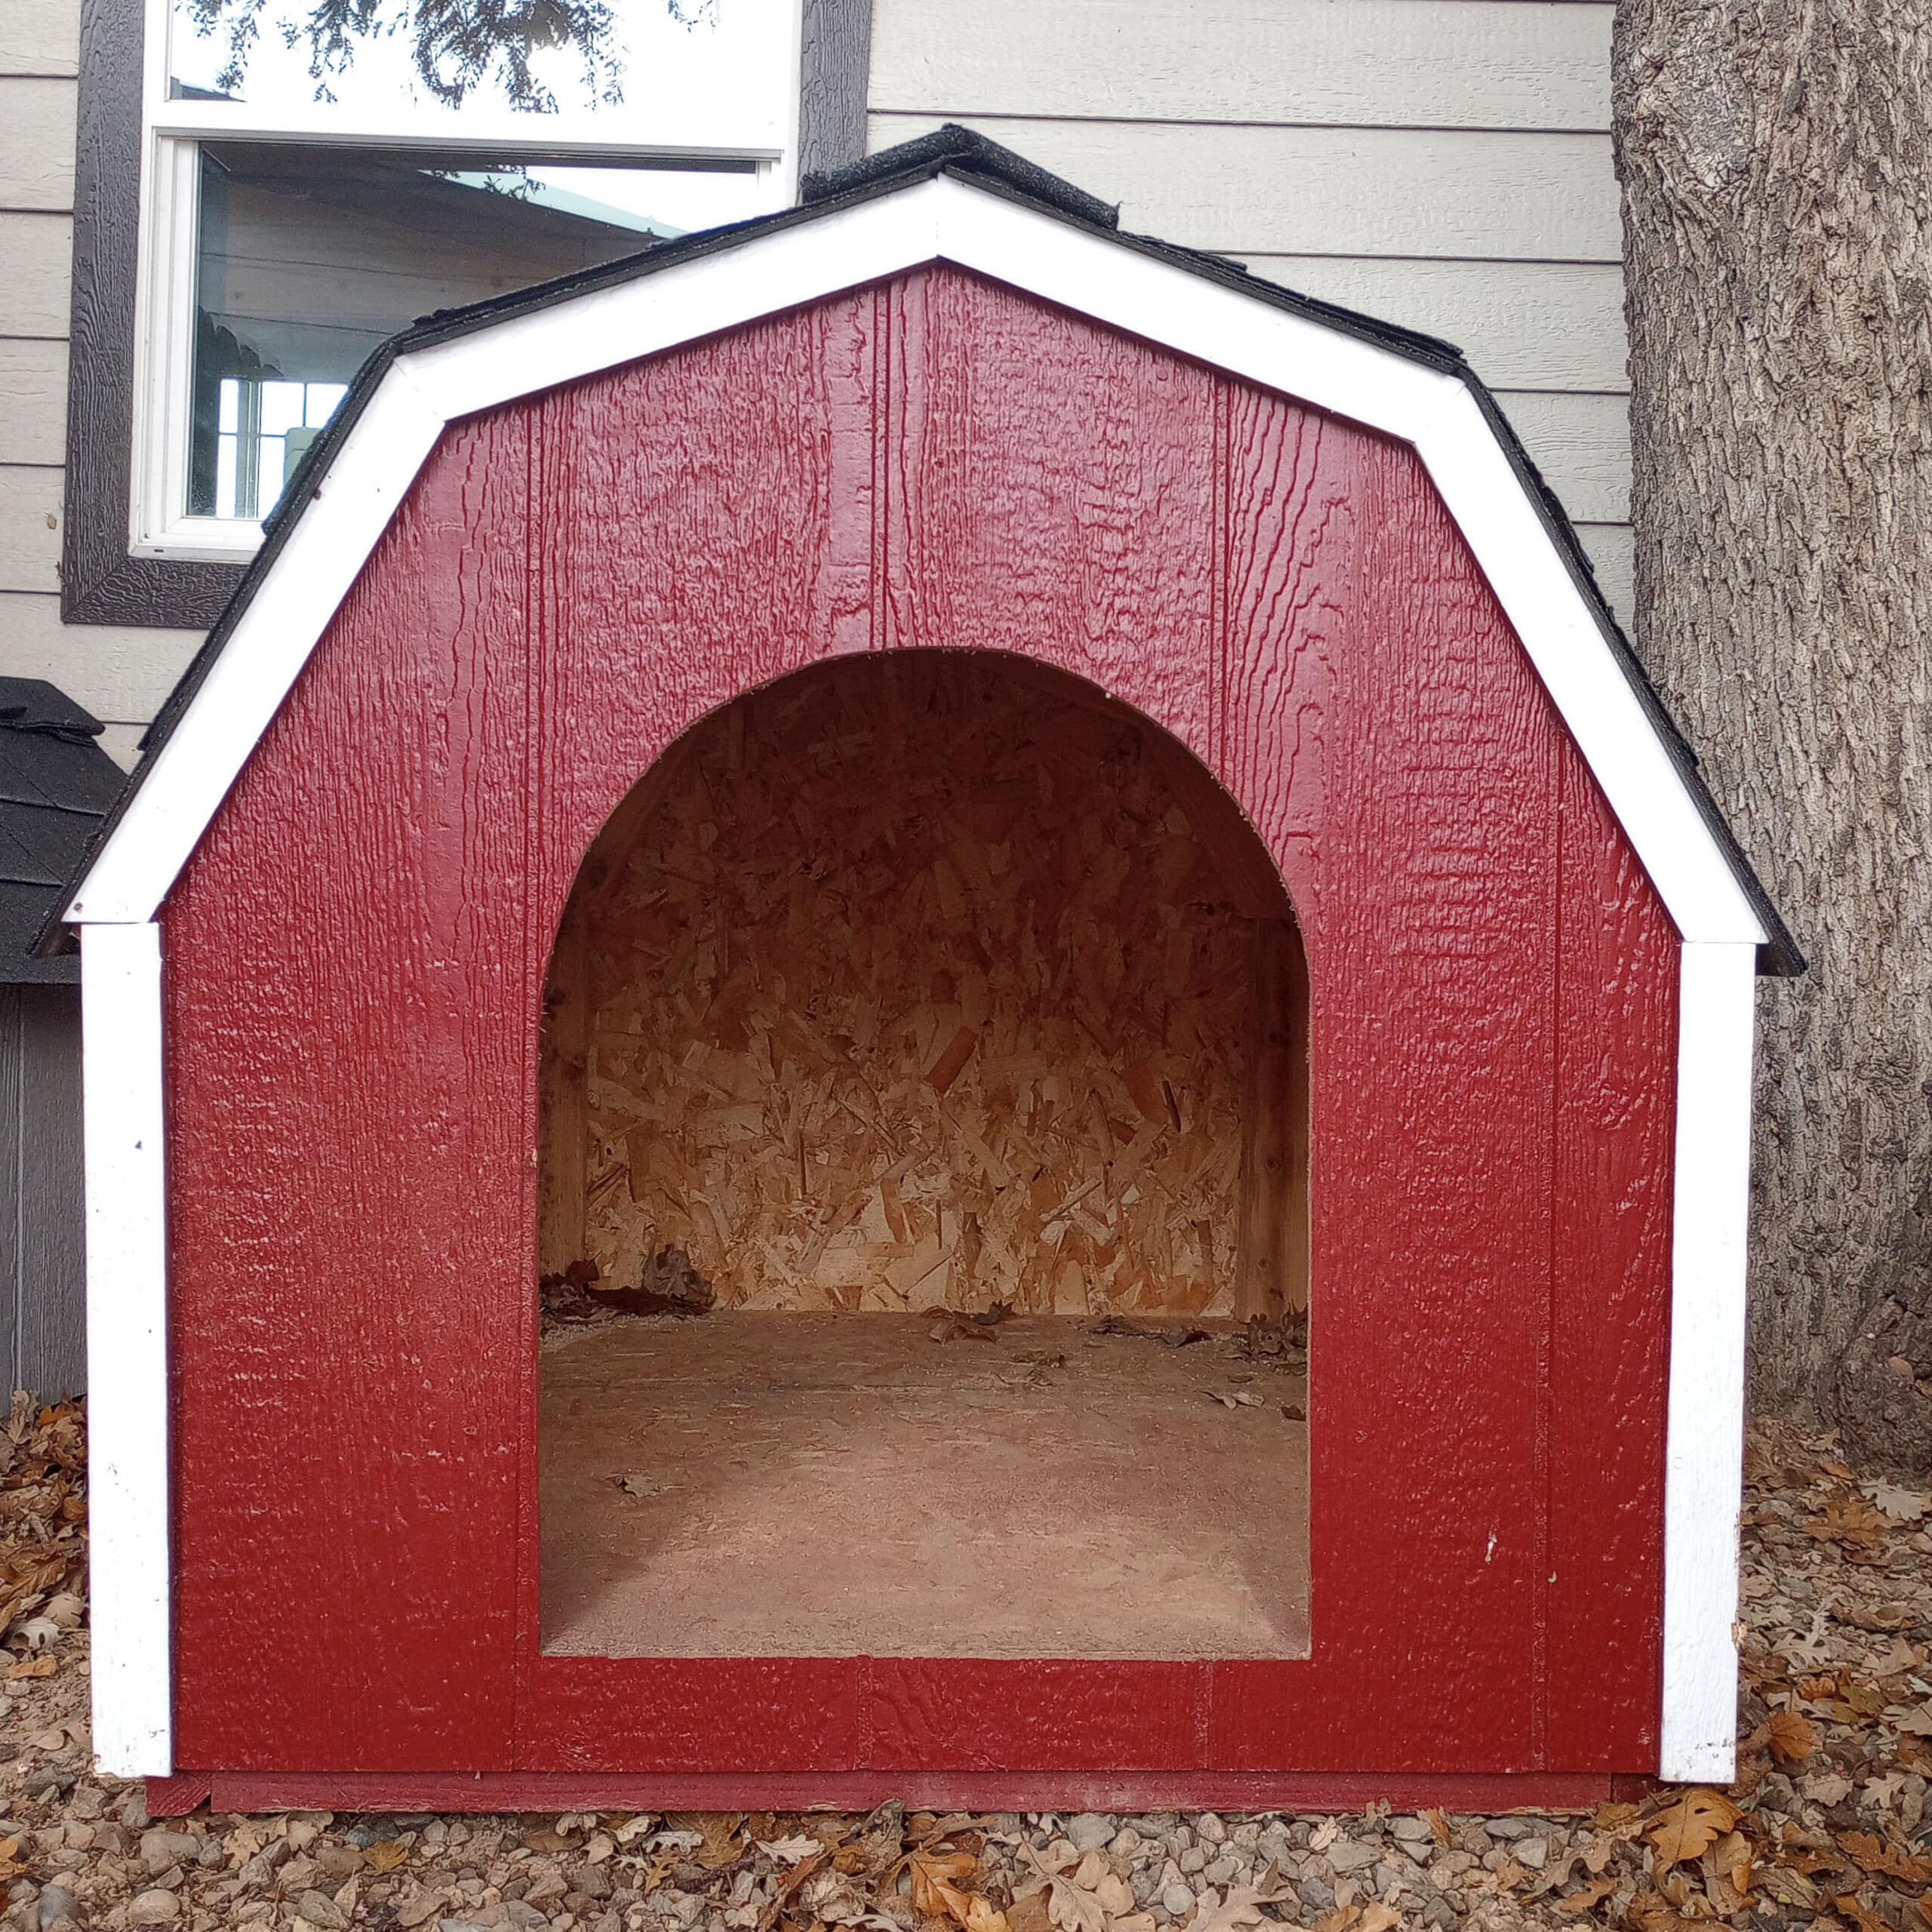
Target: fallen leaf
{"x": 1849, "y": 1905}
{"x": 1792, "y": 1738}
{"x": 936, "y": 1893}
{"x": 717, "y": 1842}
{"x": 1870, "y": 1853}
{"x": 1592, "y": 1894}
{"x": 1730, "y": 1863}
{"x": 1691, "y": 1825}
{"x": 1903, "y": 1505}
{"x": 1850, "y": 1522}
{"x": 788, "y": 1851}
{"x": 982, "y": 1915}
{"x": 42, "y": 1665}
{"x": 1242, "y": 1907}
{"x": 1650, "y": 1912}
{"x": 386, "y": 1855}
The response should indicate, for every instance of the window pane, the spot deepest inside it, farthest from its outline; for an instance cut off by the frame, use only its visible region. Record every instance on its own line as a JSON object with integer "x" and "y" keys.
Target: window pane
{"x": 308, "y": 257}
{"x": 608, "y": 69}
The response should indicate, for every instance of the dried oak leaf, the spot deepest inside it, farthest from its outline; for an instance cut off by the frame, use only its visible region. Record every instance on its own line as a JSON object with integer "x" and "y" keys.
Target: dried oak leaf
{"x": 1848, "y": 1906}
{"x": 1691, "y": 1826}
{"x": 1792, "y": 1738}
{"x": 1592, "y": 1895}
{"x": 1850, "y": 1522}
{"x": 1650, "y": 1912}
{"x": 936, "y": 1893}
{"x": 1870, "y": 1853}
{"x": 1243, "y": 1908}
{"x": 386, "y": 1855}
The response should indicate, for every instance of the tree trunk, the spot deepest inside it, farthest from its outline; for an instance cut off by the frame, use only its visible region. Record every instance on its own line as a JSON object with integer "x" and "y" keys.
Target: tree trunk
{"x": 1777, "y": 207}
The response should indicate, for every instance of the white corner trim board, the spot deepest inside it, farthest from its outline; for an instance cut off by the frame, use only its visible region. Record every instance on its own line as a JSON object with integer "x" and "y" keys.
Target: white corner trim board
{"x": 127, "y": 1348}
{"x": 944, "y": 219}
{"x": 1717, "y": 992}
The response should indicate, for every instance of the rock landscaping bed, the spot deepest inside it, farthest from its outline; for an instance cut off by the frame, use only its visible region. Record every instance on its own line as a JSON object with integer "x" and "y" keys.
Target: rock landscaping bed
{"x": 1827, "y": 1824}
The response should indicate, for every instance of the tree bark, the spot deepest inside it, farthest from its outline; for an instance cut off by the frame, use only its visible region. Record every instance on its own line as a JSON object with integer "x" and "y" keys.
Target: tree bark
{"x": 1777, "y": 204}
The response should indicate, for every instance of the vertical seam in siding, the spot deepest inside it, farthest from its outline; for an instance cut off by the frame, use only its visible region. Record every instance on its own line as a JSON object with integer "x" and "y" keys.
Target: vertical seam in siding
{"x": 529, "y": 1589}
{"x": 1221, "y": 541}
{"x": 1546, "y": 1581}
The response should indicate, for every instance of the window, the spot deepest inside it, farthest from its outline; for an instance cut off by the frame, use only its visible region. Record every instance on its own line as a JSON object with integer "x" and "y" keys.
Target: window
{"x": 317, "y": 176}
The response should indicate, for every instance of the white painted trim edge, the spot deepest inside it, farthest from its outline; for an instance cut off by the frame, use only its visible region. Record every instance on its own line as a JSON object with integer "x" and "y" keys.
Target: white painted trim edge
{"x": 127, "y": 1519}
{"x": 1703, "y": 1470}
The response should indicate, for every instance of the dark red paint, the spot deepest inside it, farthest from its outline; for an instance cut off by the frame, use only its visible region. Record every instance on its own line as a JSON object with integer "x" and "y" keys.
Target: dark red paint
{"x": 354, "y": 963}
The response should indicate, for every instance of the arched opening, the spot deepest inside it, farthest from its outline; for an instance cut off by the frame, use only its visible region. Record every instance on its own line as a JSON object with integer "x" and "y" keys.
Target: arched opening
{"x": 923, "y": 1185}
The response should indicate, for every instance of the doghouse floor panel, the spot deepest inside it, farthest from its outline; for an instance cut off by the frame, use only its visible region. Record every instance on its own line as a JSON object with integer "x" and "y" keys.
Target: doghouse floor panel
{"x": 803, "y": 1485}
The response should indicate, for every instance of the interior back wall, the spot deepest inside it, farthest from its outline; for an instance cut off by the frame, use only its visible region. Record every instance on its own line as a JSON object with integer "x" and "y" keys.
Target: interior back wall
{"x": 916, "y": 987}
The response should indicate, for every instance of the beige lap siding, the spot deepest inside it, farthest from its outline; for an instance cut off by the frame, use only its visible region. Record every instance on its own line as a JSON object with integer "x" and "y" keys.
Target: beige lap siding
{"x": 1444, "y": 164}
{"x": 119, "y": 673}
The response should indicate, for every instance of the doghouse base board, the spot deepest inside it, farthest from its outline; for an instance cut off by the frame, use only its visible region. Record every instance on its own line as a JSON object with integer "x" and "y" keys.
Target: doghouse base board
{"x": 843, "y": 1485}
{"x": 1487, "y": 1792}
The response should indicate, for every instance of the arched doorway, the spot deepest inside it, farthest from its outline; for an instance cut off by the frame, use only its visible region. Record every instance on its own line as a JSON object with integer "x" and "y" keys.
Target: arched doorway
{"x": 924, "y": 1189}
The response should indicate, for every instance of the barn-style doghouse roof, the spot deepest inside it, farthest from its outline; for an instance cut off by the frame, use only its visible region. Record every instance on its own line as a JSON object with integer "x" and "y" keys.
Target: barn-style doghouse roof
{"x": 951, "y": 196}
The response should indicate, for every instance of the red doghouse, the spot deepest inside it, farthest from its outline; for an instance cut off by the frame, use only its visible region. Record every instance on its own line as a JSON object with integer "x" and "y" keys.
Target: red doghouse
{"x": 918, "y": 768}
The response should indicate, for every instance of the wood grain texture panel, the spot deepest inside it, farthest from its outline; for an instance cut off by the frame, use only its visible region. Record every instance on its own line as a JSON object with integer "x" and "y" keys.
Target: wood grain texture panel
{"x": 39, "y": 250}
{"x": 351, "y": 1047}
{"x": 355, "y": 960}
{"x": 1456, "y": 63}
{"x": 37, "y": 143}
{"x": 30, "y": 513}
{"x": 1040, "y": 1715}
{"x": 40, "y": 37}
{"x": 692, "y": 1716}
{"x": 1429, "y": 930}
{"x": 33, "y": 402}
{"x": 1524, "y": 325}
{"x": 1617, "y": 1033}
{"x": 1050, "y": 492}
{"x": 1378, "y": 190}
{"x": 835, "y": 55}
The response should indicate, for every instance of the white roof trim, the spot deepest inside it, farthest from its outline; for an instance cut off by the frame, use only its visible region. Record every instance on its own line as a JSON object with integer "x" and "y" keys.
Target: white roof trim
{"x": 944, "y": 219}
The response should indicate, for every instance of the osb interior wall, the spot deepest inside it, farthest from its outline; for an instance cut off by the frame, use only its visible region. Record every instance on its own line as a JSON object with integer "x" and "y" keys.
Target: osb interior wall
{"x": 915, "y": 986}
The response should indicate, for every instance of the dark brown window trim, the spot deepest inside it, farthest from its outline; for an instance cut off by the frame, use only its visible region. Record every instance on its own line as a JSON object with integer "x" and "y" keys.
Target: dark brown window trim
{"x": 100, "y": 583}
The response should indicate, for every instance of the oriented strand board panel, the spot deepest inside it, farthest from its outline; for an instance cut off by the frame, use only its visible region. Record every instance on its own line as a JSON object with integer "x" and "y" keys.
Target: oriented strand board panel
{"x": 917, "y": 988}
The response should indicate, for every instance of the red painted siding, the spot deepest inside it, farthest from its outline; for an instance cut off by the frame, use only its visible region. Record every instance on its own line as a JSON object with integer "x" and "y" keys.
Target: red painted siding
{"x": 355, "y": 957}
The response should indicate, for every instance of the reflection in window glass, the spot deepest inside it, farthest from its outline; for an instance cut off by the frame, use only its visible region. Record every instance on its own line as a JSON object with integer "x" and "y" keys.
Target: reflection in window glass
{"x": 585, "y": 66}
{"x": 308, "y": 257}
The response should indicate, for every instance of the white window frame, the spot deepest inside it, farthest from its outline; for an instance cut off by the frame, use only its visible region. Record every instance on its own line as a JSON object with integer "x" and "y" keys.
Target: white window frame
{"x": 172, "y": 134}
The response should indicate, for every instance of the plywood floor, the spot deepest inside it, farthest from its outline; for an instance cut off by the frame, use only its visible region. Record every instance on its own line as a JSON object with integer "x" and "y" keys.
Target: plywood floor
{"x": 839, "y": 1485}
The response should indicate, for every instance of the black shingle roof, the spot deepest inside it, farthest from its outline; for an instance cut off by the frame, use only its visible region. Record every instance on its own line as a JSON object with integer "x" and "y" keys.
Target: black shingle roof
{"x": 958, "y": 150}
{"x": 57, "y": 787}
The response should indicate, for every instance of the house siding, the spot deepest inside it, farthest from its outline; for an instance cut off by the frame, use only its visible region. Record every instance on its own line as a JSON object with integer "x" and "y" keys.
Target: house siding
{"x": 119, "y": 673}
{"x": 1441, "y": 163}
{"x": 43, "y": 1339}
